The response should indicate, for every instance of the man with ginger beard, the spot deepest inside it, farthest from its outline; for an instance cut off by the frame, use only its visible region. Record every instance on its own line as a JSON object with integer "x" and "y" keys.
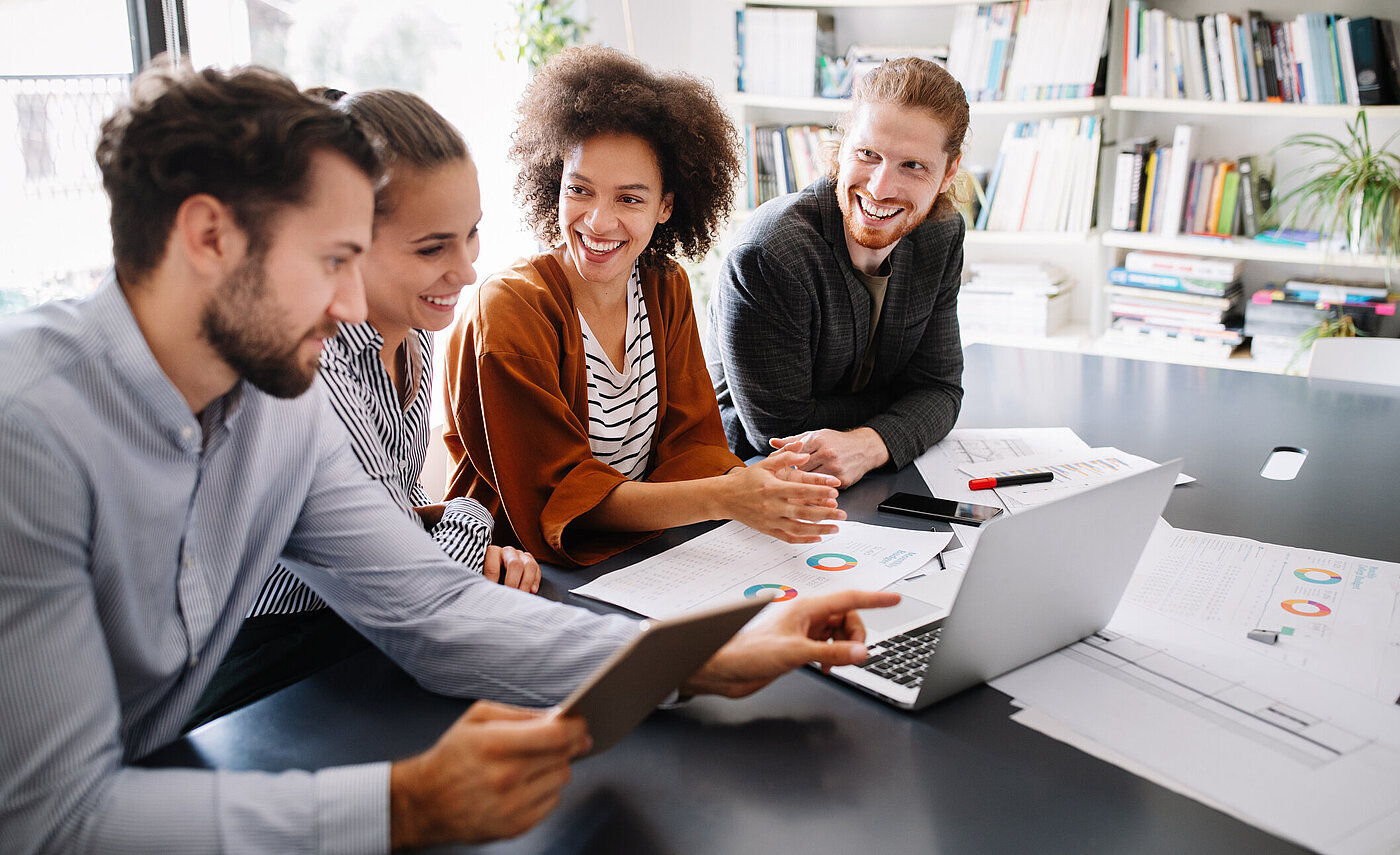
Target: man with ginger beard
{"x": 834, "y": 324}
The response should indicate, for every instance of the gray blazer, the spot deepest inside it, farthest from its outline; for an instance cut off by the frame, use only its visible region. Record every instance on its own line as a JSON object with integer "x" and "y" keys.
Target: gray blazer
{"x": 789, "y": 322}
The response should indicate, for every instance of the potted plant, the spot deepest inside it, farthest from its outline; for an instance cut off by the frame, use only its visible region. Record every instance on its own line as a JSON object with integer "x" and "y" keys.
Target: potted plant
{"x": 1350, "y": 188}
{"x": 542, "y": 28}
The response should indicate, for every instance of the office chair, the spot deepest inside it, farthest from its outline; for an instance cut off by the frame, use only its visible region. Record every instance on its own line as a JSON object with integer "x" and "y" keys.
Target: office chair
{"x": 1360, "y": 360}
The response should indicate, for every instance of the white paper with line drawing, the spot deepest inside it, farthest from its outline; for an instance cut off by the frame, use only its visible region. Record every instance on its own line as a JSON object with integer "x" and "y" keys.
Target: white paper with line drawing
{"x": 735, "y": 561}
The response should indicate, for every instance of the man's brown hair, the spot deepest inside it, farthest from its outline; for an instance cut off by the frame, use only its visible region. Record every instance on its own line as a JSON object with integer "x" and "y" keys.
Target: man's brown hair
{"x": 918, "y": 84}
{"x": 245, "y": 137}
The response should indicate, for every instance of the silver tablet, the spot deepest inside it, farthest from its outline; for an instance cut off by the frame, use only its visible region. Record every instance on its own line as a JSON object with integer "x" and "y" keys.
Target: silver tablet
{"x": 663, "y": 655}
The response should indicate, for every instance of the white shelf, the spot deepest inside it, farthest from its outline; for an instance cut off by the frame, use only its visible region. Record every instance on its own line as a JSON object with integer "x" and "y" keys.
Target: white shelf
{"x": 1003, "y": 238}
{"x": 1248, "y": 109}
{"x": 1240, "y": 361}
{"x": 1054, "y": 106}
{"x": 1245, "y": 249}
{"x": 836, "y": 106}
{"x": 1076, "y": 338}
{"x": 1071, "y": 338}
{"x": 975, "y": 238}
{"x": 855, "y": 4}
{"x": 1240, "y": 126}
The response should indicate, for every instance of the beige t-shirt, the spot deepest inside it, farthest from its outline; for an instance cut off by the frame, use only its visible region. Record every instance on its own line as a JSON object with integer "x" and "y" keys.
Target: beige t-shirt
{"x": 876, "y": 285}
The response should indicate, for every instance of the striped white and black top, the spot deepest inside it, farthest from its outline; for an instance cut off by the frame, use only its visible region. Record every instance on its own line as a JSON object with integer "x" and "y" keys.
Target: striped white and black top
{"x": 391, "y": 442}
{"x": 622, "y": 403}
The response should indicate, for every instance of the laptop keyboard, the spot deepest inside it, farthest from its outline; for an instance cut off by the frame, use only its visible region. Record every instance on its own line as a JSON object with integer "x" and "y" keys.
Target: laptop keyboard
{"x": 904, "y": 658}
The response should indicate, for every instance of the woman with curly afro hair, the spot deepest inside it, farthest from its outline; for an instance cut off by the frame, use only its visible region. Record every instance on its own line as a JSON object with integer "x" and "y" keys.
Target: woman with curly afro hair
{"x": 579, "y": 408}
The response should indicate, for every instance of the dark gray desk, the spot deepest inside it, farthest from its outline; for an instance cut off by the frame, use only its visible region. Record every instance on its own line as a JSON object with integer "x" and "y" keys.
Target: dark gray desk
{"x": 810, "y": 766}
{"x": 1224, "y": 423}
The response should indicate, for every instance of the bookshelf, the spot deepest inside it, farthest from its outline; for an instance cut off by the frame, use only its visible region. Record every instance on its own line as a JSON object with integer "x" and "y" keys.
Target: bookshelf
{"x": 1247, "y": 109}
{"x": 929, "y": 23}
{"x": 1244, "y": 249}
{"x": 830, "y": 108}
{"x": 1232, "y": 129}
{"x": 1227, "y": 130}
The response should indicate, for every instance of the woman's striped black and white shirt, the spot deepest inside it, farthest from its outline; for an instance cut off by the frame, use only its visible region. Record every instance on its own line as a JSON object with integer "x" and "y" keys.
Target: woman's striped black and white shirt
{"x": 391, "y": 442}
{"x": 622, "y": 403}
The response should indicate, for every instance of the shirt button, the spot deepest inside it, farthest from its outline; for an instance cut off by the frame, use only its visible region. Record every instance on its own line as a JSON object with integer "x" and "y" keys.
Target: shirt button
{"x": 189, "y": 563}
{"x": 194, "y": 659}
{"x": 187, "y": 433}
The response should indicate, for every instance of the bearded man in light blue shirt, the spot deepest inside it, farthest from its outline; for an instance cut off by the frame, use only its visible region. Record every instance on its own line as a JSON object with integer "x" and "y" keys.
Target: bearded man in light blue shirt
{"x": 157, "y": 453}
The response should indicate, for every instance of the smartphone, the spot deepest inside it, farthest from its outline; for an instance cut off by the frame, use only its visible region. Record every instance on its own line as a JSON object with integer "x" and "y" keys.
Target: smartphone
{"x": 930, "y": 507}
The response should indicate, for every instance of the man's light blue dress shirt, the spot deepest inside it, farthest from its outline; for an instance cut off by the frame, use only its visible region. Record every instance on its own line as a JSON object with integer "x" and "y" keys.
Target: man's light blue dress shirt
{"x": 134, "y": 536}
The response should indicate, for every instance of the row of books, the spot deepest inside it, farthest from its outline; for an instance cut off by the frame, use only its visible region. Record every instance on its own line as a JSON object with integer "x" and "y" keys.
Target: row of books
{"x": 783, "y": 159}
{"x": 839, "y": 74}
{"x": 1027, "y": 51}
{"x": 1044, "y": 176}
{"x": 1184, "y": 304}
{"x": 1314, "y": 58}
{"x": 1009, "y": 298}
{"x": 1277, "y": 317}
{"x": 778, "y": 49}
{"x": 1167, "y": 190}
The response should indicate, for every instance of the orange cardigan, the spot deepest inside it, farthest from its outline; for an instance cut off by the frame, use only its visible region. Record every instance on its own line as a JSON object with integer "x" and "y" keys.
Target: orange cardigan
{"x": 517, "y": 408}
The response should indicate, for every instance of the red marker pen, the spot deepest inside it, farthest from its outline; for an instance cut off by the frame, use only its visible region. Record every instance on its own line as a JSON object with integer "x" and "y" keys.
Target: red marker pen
{"x": 1010, "y": 480}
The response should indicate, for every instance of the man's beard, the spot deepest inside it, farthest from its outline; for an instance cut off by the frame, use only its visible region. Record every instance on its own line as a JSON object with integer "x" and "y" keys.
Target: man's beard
{"x": 245, "y": 327}
{"x": 870, "y": 238}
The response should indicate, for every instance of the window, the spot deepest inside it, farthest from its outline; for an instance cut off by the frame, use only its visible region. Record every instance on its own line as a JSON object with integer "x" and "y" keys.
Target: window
{"x": 443, "y": 52}
{"x": 64, "y": 69}
{"x": 56, "y": 86}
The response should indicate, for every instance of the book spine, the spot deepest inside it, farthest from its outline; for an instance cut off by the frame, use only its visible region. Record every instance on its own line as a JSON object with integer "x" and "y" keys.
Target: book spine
{"x": 994, "y": 182}
{"x": 1249, "y": 220}
{"x": 1131, "y": 24}
{"x": 1334, "y": 59}
{"x": 1346, "y": 60}
{"x": 1316, "y": 296}
{"x": 1389, "y": 44}
{"x": 1229, "y": 203}
{"x": 1155, "y": 296}
{"x": 741, "y": 50}
{"x": 1218, "y": 271}
{"x": 1229, "y": 70}
{"x": 1201, "y": 202}
{"x": 1140, "y": 153}
{"x": 1217, "y": 193}
{"x": 1264, "y": 56}
{"x": 1148, "y": 188}
{"x": 1214, "y": 68}
{"x": 1165, "y": 282}
{"x": 1244, "y": 62}
{"x": 1175, "y": 196}
{"x": 1122, "y": 191}
{"x": 1365, "y": 57}
{"x": 1193, "y": 183}
{"x": 1283, "y": 62}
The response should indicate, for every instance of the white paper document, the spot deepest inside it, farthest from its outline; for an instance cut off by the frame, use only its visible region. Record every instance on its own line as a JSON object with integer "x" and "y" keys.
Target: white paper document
{"x": 941, "y": 466}
{"x": 1301, "y": 738}
{"x": 1337, "y": 617}
{"x": 1073, "y": 472}
{"x": 735, "y": 561}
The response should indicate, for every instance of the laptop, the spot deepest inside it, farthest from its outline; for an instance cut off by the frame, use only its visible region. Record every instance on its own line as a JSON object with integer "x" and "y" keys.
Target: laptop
{"x": 1038, "y": 580}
